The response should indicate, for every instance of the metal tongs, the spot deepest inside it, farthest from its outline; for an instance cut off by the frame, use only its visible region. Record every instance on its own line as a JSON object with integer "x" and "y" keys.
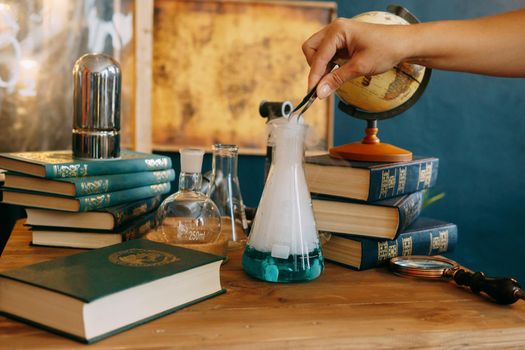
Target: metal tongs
{"x": 304, "y": 104}
{"x": 309, "y": 98}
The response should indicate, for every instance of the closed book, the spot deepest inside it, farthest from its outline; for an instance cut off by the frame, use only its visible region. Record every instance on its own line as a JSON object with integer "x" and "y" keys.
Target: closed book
{"x": 369, "y": 181}
{"x": 91, "y": 239}
{"x": 382, "y": 219}
{"x": 424, "y": 237}
{"x": 108, "y": 219}
{"x": 95, "y": 294}
{"x": 55, "y": 164}
{"x": 88, "y": 185}
{"x": 85, "y": 203}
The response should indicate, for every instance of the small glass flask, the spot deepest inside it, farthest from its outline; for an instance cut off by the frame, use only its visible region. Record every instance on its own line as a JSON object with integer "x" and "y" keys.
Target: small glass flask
{"x": 283, "y": 245}
{"x": 188, "y": 217}
{"x": 225, "y": 191}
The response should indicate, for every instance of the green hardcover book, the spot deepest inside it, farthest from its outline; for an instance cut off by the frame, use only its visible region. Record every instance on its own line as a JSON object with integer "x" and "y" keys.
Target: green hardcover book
{"x": 107, "y": 219}
{"x": 81, "y": 204}
{"x": 92, "y": 239}
{"x": 95, "y": 294}
{"x": 88, "y": 185}
{"x": 56, "y": 164}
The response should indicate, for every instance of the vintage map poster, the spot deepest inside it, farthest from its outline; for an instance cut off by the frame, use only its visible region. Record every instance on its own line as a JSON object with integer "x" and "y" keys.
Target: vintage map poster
{"x": 215, "y": 61}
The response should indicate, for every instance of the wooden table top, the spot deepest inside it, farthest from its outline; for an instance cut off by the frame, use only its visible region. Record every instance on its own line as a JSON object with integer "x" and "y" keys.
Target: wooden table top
{"x": 342, "y": 309}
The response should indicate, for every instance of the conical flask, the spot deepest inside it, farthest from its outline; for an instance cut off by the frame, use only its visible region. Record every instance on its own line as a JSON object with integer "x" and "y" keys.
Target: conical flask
{"x": 283, "y": 245}
{"x": 225, "y": 191}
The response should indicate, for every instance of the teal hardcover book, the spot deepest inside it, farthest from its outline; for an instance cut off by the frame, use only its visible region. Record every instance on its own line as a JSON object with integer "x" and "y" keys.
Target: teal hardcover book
{"x": 81, "y": 204}
{"x": 108, "y": 219}
{"x": 424, "y": 237}
{"x": 92, "y": 239}
{"x": 56, "y": 164}
{"x": 368, "y": 181}
{"x": 88, "y": 185}
{"x": 95, "y": 294}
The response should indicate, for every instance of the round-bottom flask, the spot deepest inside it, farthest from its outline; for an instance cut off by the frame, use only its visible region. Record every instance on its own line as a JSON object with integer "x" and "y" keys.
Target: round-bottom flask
{"x": 188, "y": 217}
{"x": 284, "y": 244}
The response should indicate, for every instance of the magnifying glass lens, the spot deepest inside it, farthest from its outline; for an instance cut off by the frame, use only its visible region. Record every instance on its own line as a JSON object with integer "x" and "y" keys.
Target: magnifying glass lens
{"x": 424, "y": 264}
{"x": 421, "y": 266}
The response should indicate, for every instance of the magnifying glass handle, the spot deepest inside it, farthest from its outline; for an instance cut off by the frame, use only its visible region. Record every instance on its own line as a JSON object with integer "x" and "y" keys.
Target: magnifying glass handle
{"x": 502, "y": 290}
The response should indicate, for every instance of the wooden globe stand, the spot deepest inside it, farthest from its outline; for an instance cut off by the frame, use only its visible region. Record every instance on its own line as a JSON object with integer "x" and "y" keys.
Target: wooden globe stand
{"x": 370, "y": 149}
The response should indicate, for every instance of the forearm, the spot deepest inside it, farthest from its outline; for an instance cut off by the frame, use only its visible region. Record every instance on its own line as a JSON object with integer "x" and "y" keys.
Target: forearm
{"x": 492, "y": 45}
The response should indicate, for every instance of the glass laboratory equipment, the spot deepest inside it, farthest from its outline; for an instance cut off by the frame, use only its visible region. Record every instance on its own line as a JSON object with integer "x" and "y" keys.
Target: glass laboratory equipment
{"x": 283, "y": 245}
{"x": 275, "y": 113}
{"x": 225, "y": 191}
{"x": 188, "y": 217}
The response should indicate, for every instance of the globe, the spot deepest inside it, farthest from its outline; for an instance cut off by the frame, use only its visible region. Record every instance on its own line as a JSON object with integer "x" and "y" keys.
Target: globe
{"x": 386, "y": 91}
{"x": 381, "y": 96}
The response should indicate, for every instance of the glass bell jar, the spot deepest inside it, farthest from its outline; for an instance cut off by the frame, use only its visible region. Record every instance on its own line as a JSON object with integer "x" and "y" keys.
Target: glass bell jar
{"x": 224, "y": 189}
{"x": 283, "y": 244}
{"x": 188, "y": 217}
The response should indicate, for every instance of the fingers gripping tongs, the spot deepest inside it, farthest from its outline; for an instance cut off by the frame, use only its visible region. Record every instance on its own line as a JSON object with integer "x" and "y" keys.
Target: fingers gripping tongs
{"x": 307, "y": 101}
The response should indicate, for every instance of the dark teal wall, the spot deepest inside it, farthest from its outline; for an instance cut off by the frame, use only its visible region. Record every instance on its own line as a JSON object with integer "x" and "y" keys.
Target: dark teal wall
{"x": 476, "y": 126}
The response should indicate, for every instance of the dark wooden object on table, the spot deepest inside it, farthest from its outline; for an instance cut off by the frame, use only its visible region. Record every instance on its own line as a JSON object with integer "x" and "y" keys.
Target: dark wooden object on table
{"x": 342, "y": 309}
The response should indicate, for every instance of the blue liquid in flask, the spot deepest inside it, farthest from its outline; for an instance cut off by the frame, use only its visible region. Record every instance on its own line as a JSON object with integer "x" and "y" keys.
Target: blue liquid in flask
{"x": 295, "y": 268}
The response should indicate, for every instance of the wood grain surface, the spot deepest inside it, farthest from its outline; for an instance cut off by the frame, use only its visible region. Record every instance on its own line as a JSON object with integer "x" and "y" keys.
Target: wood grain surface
{"x": 342, "y": 309}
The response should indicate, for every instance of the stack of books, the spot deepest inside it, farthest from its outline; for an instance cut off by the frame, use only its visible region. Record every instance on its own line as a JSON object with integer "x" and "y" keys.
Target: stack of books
{"x": 86, "y": 203}
{"x": 371, "y": 210}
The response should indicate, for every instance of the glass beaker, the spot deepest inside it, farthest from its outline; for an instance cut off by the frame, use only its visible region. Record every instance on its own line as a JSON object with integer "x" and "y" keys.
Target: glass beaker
{"x": 283, "y": 245}
{"x": 225, "y": 191}
{"x": 188, "y": 217}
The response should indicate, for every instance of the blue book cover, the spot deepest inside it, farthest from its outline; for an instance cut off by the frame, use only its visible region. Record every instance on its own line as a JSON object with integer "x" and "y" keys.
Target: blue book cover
{"x": 81, "y": 204}
{"x": 369, "y": 181}
{"x": 85, "y": 238}
{"x": 107, "y": 219}
{"x": 57, "y": 164}
{"x": 424, "y": 237}
{"x": 381, "y": 219}
{"x": 88, "y": 185}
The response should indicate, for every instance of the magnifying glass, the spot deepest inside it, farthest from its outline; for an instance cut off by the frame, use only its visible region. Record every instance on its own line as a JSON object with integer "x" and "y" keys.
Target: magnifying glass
{"x": 501, "y": 290}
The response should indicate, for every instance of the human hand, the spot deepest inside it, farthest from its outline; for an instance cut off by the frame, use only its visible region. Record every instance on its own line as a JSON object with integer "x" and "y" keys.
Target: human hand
{"x": 368, "y": 49}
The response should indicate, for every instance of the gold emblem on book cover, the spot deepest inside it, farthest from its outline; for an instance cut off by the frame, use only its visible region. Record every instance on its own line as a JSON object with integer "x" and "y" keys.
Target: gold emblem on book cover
{"x": 386, "y": 251}
{"x": 97, "y": 202}
{"x": 407, "y": 246}
{"x": 73, "y": 170}
{"x": 388, "y": 182}
{"x": 92, "y": 187}
{"x": 142, "y": 258}
{"x": 156, "y": 163}
{"x": 159, "y": 187}
{"x": 440, "y": 242}
{"x": 140, "y": 210}
{"x": 162, "y": 176}
{"x": 425, "y": 175}
{"x": 402, "y": 180}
